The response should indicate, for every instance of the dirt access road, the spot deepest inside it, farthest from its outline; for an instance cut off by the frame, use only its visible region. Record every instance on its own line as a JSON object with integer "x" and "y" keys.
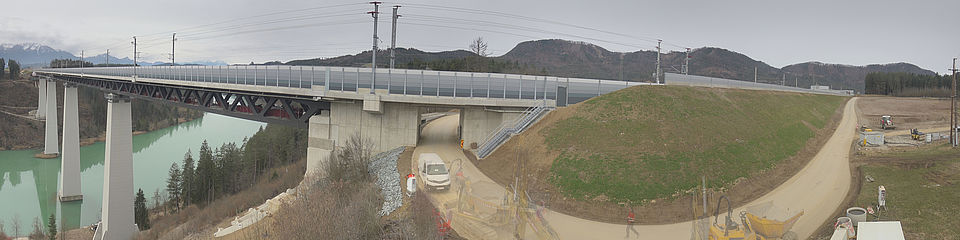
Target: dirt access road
{"x": 818, "y": 189}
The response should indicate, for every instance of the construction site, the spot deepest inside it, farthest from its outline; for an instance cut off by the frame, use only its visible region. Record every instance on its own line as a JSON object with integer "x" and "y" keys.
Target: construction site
{"x": 833, "y": 194}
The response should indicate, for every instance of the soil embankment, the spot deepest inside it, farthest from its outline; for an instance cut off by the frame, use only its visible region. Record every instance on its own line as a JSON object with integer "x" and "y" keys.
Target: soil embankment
{"x": 649, "y": 147}
{"x": 817, "y": 189}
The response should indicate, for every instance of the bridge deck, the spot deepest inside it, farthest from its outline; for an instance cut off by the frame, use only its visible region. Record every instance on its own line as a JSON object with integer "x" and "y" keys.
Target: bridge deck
{"x": 346, "y": 82}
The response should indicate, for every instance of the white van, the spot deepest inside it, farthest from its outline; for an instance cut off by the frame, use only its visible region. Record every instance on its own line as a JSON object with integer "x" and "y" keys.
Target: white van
{"x": 434, "y": 172}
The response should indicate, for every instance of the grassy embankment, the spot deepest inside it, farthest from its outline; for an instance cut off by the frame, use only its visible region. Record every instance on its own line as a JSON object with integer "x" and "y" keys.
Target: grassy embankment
{"x": 922, "y": 189}
{"x": 651, "y": 142}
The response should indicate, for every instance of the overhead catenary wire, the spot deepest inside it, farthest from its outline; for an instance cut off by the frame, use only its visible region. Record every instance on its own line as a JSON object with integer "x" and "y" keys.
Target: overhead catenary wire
{"x": 284, "y": 21}
{"x": 534, "y": 19}
{"x": 516, "y": 27}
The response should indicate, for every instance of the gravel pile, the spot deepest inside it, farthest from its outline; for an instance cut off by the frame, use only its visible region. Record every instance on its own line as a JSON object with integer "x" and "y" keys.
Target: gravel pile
{"x": 384, "y": 168}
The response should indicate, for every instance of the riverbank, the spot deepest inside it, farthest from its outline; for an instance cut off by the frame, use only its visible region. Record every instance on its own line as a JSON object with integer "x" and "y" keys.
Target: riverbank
{"x": 22, "y": 131}
{"x": 34, "y": 181}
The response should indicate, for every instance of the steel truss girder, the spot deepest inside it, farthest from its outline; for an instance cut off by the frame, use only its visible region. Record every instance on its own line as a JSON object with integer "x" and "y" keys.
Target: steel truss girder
{"x": 289, "y": 110}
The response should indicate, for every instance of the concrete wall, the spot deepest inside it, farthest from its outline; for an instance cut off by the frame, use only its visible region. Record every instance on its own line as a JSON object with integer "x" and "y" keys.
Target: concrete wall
{"x": 389, "y": 125}
{"x": 476, "y": 123}
{"x": 395, "y": 125}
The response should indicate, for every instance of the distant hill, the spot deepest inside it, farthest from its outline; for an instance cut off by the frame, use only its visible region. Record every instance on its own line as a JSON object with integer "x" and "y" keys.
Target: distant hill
{"x": 579, "y": 59}
{"x": 404, "y": 56}
{"x": 28, "y": 54}
{"x": 39, "y": 55}
{"x": 852, "y": 75}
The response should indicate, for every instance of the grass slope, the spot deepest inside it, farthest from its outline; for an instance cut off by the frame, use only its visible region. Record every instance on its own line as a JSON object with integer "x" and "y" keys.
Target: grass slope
{"x": 922, "y": 190}
{"x": 645, "y": 143}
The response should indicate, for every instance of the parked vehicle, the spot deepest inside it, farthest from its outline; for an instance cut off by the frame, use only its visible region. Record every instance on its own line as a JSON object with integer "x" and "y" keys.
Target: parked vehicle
{"x": 434, "y": 172}
{"x": 886, "y": 122}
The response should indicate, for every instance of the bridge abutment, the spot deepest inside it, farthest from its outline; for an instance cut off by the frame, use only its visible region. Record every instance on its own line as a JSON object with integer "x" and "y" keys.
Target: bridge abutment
{"x": 117, "y": 209}
{"x": 70, "y": 156}
{"x": 384, "y": 124}
{"x": 51, "y": 143}
{"x": 476, "y": 123}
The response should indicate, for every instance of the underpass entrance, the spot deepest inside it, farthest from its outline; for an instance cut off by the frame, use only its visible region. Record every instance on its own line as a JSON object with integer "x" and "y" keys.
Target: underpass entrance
{"x": 440, "y": 125}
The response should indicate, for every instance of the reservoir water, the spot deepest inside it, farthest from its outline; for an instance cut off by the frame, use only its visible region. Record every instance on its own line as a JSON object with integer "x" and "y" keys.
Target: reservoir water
{"x": 28, "y": 185}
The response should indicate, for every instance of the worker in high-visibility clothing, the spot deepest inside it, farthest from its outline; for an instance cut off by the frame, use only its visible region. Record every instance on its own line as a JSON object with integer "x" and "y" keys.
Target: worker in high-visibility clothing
{"x": 631, "y": 219}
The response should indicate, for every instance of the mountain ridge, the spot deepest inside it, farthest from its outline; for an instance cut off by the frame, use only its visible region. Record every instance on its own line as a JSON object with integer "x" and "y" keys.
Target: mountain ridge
{"x": 566, "y": 58}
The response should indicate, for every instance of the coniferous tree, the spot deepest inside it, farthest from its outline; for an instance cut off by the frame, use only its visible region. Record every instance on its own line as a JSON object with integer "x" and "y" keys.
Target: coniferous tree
{"x": 173, "y": 185}
{"x": 14, "y": 69}
{"x": 188, "y": 177}
{"x": 206, "y": 172}
{"x": 52, "y": 227}
{"x": 140, "y": 214}
{"x": 3, "y": 65}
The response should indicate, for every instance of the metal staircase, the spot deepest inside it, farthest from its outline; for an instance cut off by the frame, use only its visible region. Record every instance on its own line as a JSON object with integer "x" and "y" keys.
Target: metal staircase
{"x": 508, "y": 129}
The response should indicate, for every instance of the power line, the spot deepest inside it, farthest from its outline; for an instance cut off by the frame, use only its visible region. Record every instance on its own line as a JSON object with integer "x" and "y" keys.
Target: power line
{"x": 534, "y": 19}
{"x": 521, "y": 28}
{"x": 252, "y": 17}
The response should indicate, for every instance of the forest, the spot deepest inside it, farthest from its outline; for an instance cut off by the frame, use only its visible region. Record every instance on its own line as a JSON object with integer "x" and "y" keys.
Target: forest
{"x": 907, "y": 84}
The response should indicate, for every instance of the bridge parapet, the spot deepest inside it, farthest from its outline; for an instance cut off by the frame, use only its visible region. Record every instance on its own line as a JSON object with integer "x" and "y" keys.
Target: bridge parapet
{"x": 351, "y": 83}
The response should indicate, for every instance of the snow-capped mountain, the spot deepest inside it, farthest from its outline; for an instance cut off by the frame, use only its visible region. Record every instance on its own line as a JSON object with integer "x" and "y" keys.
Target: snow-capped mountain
{"x": 39, "y": 55}
{"x": 31, "y": 53}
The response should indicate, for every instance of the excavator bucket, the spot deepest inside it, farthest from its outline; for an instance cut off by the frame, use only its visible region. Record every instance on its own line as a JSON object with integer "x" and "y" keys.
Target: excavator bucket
{"x": 770, "y": 228}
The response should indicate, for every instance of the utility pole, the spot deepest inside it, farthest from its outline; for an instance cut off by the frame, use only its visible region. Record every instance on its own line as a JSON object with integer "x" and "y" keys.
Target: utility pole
{"x": 134, "y": 51}
{"x": 393, "y": 35}
{"x": 107, "y": 58}
{"x": 754, "y": 74}
{"x": 796, "y": 81}
{"x": 621, "y": 66}
{"x": 686, "y": 63}
{"x": 81, "y": 58}
{"x": 173, "y": 51}
{"x": 134, "y": 57}
{"x": 374, "y": 13}
{"x": 953, "y": 105}
{"x": 658, "y": 61}
{"x": 783, "y": 81}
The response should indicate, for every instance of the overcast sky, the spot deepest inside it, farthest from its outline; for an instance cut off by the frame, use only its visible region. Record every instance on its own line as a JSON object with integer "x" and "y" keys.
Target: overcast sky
{"x": 776, "y": 32}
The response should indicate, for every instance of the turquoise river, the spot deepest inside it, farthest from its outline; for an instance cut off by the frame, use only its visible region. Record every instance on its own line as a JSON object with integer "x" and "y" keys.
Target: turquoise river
{"x": 28, "y": 185}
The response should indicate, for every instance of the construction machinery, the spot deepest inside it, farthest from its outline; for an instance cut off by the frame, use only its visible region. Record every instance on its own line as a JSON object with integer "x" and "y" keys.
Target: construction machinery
{"x": 886, "y": 122}
{"x": 751, "y": 227}
{"x": 916, "y": 134}
{"x": 514, "y": 215}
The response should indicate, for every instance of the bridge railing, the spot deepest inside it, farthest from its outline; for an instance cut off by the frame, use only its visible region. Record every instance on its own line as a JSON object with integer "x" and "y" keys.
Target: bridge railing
{"x": 395, "y": 81}
{"x": 703, "y": 81}
{"x": 497, "y": 137}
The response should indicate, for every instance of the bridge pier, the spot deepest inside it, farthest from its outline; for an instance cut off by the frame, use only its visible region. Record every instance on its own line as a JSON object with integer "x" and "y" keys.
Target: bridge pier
{"x": 117, "y": 209}
{"x": 42, "y": 98}
{"x": 70, "y": 156}
{"x": 50, "y": 145}
{"x": 319, "y": 145}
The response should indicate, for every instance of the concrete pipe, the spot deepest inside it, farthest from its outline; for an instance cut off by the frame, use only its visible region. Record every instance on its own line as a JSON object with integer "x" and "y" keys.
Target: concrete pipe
{"x": 857, "y": 215}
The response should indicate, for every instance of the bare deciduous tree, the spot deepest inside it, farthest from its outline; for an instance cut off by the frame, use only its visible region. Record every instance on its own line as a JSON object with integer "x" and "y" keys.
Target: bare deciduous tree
{"x": 479, "y": 47}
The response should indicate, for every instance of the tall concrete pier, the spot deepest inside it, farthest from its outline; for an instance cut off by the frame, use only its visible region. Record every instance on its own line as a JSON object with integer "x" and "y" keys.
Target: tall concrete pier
{"x": 70, "y": 156}
{"x": 117, "y": 208}
{"x": 42, "y": 99}
{"x": 51, "y": 141}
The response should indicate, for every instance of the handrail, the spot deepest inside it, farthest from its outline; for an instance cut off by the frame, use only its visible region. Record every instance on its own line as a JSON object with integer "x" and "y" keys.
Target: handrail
{"x": 507, "y": 129}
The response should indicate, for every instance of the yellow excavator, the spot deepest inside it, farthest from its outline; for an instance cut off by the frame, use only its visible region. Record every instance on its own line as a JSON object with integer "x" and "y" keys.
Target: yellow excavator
{"x": 751, "y": 227}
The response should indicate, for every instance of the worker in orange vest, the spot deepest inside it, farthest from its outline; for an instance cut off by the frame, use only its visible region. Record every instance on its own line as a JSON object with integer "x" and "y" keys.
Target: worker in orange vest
{"x": 631, "y": 219}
